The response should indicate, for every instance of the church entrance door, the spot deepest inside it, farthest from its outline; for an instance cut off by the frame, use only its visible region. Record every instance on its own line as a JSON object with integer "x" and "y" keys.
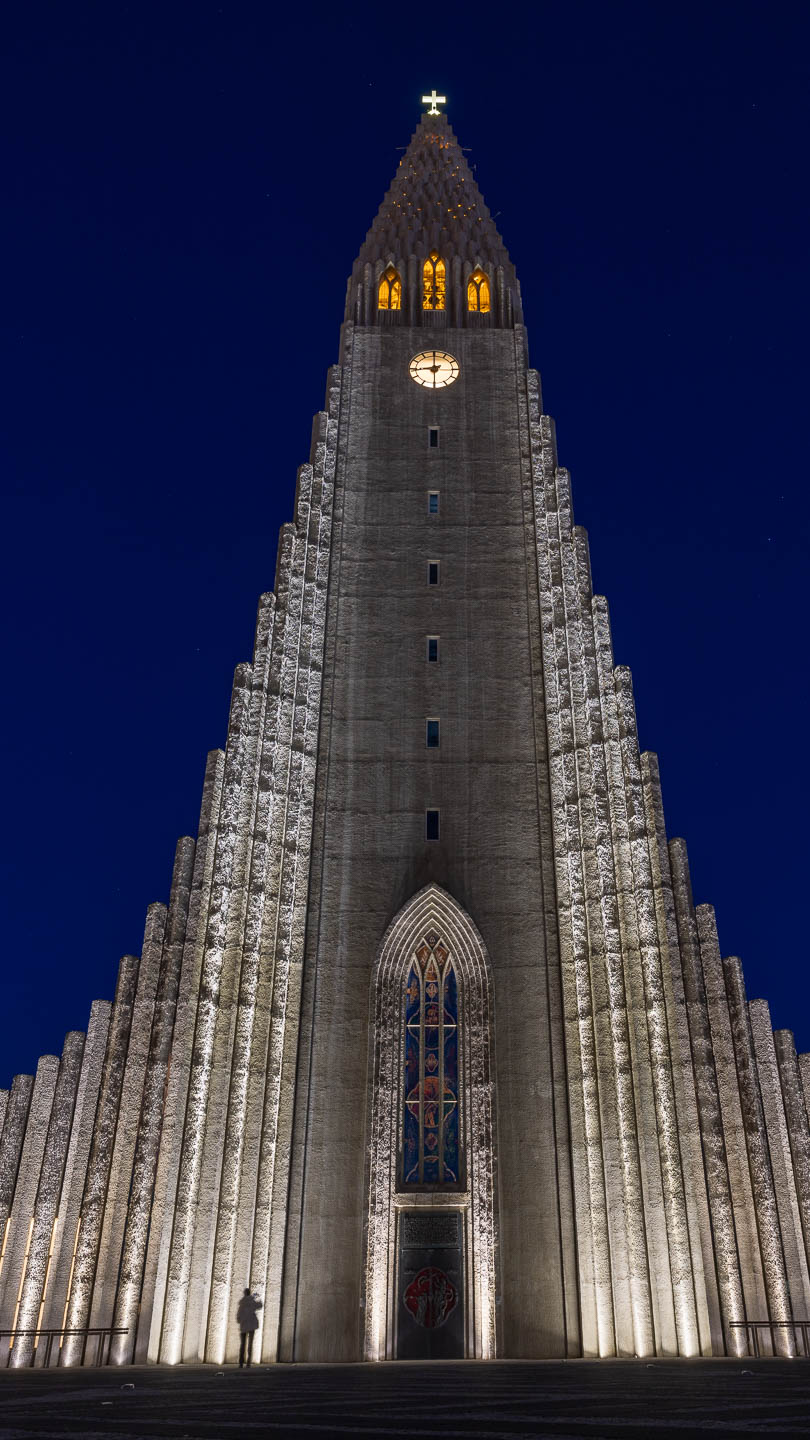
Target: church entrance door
{"x": 430, "y": 1298}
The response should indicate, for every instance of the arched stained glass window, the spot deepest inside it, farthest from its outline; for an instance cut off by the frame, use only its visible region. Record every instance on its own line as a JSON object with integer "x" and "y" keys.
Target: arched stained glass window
{"x": 389, "y": 295}
{"x": 478, "y": 292}
{"x": 431, "y": 1124}
{"x": 434, "y": 286}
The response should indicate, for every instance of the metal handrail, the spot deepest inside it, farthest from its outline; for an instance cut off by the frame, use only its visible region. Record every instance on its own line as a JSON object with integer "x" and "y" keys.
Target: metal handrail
{"x": 100, "y": 1333}
{"x": 753, "y": 1327}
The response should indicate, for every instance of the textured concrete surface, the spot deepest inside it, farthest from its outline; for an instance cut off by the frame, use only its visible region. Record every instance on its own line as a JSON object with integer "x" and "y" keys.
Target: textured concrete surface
{"x": 676, "y": 1399}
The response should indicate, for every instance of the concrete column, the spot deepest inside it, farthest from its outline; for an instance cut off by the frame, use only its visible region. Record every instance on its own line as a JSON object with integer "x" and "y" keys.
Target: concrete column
{"x": 150, "y": 1324}
{"x": 11, "y": 1143}
{"x": 787, "y": 1200}
{"x": 200, "y": 1112}
{"x": 745, "y": 1225}
{"x": 3, "y": 1108}
{"x": 797, "y": 1125}
{"x": 81, "y": 1134}
{"x": 77, "y": 1311}
{"x": 139, "y": 1210}
{"x": 710, "y": 1118}
{"x": 766, "y": 1209}
{"x": 593, "y": 1239}
{"x": 129, "y": 1119}
{"x": 22, "y": 1208}
{"x": 49, "y": 1189}
{"x": 707, "y": 1303}
{"x": 242, "y": 1119}
{"x": 662, "y": 1045}
{"x": 632, "y": 1298}
{"x": 618, "y": 744}
{"x": 301, "y": 691}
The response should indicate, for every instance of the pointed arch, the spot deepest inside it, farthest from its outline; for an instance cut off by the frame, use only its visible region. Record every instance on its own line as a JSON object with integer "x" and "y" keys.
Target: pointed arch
{"x": 389, "y": 290}
{"x": 478, "y": 293}
{"x": 434, "y": 282}
{"x": 432, "y": 912}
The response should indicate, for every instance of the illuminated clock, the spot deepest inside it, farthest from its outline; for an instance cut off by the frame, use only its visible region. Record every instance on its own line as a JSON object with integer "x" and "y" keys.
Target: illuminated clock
{"x": 434, "y": 368}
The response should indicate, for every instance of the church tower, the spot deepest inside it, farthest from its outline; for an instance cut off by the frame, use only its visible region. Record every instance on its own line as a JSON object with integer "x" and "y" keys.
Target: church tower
{"x": 431, "y": 1047}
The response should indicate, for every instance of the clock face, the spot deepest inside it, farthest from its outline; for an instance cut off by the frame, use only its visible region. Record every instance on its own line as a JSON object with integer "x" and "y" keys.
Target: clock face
{"x": 434, "y": 368}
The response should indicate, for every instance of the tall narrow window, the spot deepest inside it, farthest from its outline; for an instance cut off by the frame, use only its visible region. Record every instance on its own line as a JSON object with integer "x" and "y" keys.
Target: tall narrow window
{"x": 430, "y": 1132}
{"x": 433, "y": 282}
{"x": 432, "y": 734}
{"x": 433, "y": 437}
{"x": 478, "y": 292}
{"x": 433, "y": 502}
{"x": 389, "y": 295}
{"x": 431, "y": 824}
{"x": 433, "y": 572}
{"x": 433, "y": 649}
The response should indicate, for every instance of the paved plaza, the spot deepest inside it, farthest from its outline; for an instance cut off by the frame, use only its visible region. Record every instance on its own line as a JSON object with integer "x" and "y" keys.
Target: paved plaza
{"x": 675, "y": 1399}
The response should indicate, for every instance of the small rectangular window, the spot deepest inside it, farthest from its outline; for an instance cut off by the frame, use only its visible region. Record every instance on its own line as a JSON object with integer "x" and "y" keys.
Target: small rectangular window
{"x": 433, "y": 502}
{"x": 433, "y": 649}
{"x": 432, "y": 734}
{"x": 431, "y": 824}
{"x": 433, "y": 572}
{"x": 433, "y": 437}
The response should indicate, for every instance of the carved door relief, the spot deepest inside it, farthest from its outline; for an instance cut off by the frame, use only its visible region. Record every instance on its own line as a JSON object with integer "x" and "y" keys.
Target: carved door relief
{"x": 430, "y": 1285}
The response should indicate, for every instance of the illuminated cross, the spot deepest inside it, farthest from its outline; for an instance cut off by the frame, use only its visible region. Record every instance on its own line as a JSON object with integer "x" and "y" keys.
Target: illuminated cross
{"x": 434, "y": 100}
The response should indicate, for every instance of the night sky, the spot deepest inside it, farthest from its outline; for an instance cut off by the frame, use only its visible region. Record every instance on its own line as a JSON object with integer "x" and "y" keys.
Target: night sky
{"x": 185, "y": 188}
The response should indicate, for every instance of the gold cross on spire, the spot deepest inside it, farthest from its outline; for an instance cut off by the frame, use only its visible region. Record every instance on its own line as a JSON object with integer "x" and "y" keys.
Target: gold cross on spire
{"x": 434, "y": 100}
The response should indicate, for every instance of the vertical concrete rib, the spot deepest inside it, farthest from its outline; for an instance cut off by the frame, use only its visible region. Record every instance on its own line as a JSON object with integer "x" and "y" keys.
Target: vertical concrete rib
{"x": 21, "y": 1218}
{"x": 81, "y": 1134}
{"x": 49, "y": 1189}
{"x": 766, "y": 1209}
{"x": 139, "y": 1209}
{"x": 628, "y": 832}
{"x": 593, "y": 1238}
{"x": 150, "y": 1325}
{"x": 3, "y": 1108}
{"x": 129, "y": 1119}
{"x": 286, "y": 935}
{"x": 529, "y": 406}
{"x": 784, "y": 1179}
{"x": 630, "y": 1270}
{"x": 11, "y": 1144}
{"x": 238, "y": 1119}
{"x": 663, "y": 1048}
{"x": 707, "y": 1305}
{"x": 798, "y": 1126}
{"x": 745, "y": 1225}
{"x": 204, "y": 1109}
{"x": 91, "y": 1216}
{"x": 724, "y": 1252}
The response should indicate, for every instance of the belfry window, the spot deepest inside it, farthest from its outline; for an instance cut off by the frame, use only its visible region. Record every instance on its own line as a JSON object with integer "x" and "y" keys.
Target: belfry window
{"x": 434, "y": 288}
{"x": 478, "y": 292}
{"x": 430, "y": 1130}
{"x": 389, "y": 294}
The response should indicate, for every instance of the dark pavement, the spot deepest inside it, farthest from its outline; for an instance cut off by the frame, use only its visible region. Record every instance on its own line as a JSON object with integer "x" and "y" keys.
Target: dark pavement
{"x": 676, "y": 1399}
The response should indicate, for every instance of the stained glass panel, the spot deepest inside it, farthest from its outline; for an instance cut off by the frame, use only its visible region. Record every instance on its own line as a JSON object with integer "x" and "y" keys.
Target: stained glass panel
{"x": 431, "y": 1129}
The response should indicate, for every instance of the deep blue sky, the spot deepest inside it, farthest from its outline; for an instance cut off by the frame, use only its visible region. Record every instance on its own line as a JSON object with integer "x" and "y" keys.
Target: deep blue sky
{"x": 184, "y": 190}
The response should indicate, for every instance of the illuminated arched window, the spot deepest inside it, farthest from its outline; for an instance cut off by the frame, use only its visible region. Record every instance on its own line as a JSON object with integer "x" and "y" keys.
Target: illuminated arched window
{"x": 389, "y": 295}
{"x": 431, "y": 1130}
{"x": 478, "y": 292}
{"x": 433, "y": 282}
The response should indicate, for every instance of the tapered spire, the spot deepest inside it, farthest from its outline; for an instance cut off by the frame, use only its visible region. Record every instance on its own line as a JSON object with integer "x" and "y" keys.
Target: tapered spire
{"x": 433, "y": 207}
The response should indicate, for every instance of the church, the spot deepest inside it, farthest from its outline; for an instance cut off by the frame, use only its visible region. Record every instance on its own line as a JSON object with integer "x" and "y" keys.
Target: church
{"x": 430, "y": 1047}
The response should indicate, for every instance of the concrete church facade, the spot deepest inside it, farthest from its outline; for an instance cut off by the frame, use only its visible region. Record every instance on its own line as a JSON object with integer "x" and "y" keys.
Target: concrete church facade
{"x": 430, "y": 1047}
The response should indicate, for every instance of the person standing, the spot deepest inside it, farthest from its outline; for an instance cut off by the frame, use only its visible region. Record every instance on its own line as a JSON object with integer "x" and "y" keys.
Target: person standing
{"x": 247, "y": 1318}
